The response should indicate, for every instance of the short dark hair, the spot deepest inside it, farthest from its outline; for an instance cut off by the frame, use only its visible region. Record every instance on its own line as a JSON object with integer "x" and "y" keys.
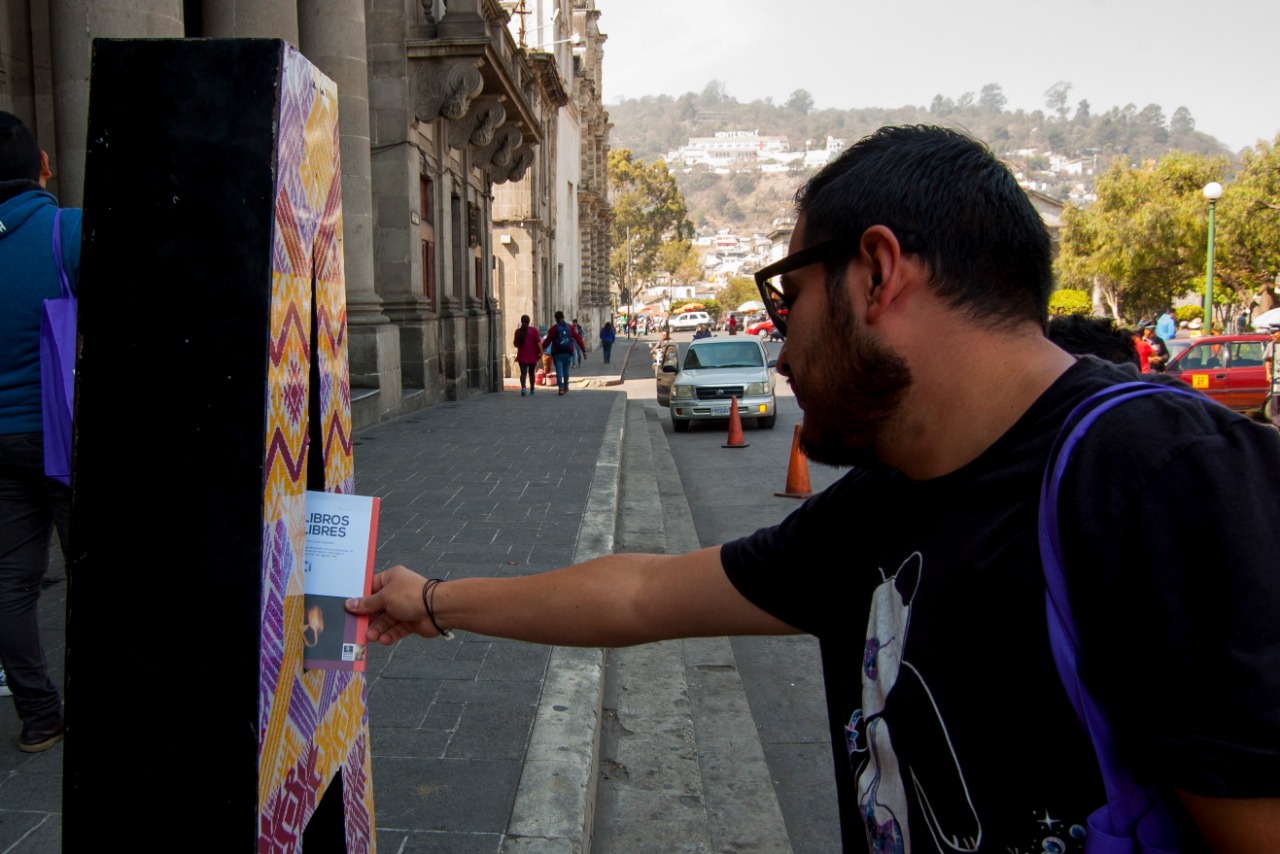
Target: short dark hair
{"x": 559, "y": 317}
{"x": 949, "y": 199}
{"x": 19, "y": 154}
{"x": 1093, "y": 336}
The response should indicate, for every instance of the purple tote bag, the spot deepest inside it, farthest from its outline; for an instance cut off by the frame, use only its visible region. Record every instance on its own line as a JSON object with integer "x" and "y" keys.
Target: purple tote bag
{"x": 57, "y": 368}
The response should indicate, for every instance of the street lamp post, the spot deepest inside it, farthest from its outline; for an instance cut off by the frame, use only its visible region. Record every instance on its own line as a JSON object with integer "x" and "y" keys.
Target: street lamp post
{"x": 1212, "y": 192}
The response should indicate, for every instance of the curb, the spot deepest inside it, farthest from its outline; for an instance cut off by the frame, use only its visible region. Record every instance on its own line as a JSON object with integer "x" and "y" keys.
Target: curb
{"x": 554, "y": 808}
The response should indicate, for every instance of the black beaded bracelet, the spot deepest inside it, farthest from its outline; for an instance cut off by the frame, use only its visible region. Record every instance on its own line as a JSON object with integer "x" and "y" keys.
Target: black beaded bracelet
{"x": 428, "y": 597}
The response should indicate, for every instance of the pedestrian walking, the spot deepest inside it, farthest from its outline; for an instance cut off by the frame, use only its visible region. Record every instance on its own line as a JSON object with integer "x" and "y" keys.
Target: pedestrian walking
{"x": 562, "y": 338}
{"x": 38, "y": 242}
{"x": 579, "y": 350}
{"x": 528, "y": 343}
{"x": 607, "y": 336}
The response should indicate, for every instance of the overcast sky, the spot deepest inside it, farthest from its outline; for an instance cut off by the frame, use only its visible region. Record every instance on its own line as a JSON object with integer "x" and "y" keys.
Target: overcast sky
{"x": 1219, "y": 59}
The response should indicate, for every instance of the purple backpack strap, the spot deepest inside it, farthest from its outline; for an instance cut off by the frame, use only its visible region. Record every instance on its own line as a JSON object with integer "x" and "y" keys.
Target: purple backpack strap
{"x": 63, "y": 281}
{"x": 1133, "y": 819}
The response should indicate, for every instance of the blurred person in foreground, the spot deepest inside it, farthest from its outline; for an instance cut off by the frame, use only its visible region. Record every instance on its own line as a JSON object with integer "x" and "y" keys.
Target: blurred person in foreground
{"x": 917, "y": 287}
{"x": 31, "y": 503}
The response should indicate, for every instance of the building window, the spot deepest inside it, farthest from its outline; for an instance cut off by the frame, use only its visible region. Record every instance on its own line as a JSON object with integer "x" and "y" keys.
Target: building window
{"x": 479, "y": 278}
{"x": 427, "y": 236}
{"x": 426, "y": 189}
{"x": 429, "y": 273}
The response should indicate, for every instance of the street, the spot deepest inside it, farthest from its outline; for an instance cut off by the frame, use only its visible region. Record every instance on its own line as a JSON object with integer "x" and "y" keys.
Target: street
{"x": 730, "y": 494}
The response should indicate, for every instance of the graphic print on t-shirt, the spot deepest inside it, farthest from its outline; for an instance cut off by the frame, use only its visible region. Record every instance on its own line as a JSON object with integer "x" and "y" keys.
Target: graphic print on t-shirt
{"x": 943, "y": 798}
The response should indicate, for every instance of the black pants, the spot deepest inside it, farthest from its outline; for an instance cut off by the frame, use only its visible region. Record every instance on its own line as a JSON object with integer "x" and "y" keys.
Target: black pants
{"x": 30, "y": 506}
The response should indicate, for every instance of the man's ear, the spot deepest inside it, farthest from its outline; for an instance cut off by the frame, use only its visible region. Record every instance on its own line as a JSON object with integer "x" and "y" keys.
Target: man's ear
{"x": 45, "y": 172}
{"x": 882, "y": 255}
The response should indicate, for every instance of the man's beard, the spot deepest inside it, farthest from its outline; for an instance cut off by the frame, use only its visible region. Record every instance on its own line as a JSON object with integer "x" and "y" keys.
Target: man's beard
{"x": 851, "y": 394}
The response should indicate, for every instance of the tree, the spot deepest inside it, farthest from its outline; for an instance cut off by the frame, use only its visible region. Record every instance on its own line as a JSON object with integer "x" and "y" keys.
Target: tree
{"x": 1141, "y": 244}
{"x": 677, "y": 259}
{"x": 1056, "y": 98}
{"x": 739, "y": 289}
{"x": 800, "y": 102}
{"x": 648, "y": 210}
{"x": 992, "y": 98}
{"x": 1248, "y": 240}
{"x": 1181, "y": 122}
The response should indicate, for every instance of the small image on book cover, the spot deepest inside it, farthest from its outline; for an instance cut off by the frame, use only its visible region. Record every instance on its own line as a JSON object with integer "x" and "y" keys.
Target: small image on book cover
{"x": 342, "y": 538}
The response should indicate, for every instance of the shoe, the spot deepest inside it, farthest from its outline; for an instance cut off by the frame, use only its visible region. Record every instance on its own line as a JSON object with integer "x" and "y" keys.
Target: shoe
{"x": 4, "y": 685}
{"x": 37, "y": 740}
{"x": 522, "y": 392}
{"x": 562, "y": 391}
{"x": 532, "y": 392}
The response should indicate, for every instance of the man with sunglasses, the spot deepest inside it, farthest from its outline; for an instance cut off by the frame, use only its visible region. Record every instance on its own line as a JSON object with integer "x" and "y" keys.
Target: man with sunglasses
{"x": 913, "y": 304}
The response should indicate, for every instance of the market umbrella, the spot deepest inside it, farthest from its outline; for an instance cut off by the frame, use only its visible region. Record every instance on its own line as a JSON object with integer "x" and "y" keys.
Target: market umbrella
{"x": 751, "y": 305}
{"x": 1267, "y": 318}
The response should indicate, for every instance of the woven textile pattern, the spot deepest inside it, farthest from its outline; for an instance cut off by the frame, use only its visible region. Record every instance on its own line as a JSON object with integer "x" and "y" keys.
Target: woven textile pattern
{"x": 312, "y": 725}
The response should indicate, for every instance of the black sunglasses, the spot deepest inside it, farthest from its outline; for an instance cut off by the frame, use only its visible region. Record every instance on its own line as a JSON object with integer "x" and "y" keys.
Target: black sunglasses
{"x": 775, "y": 301}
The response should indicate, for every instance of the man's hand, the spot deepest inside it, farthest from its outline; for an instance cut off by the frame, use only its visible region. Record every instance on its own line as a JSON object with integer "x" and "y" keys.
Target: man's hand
{"x": 395, "y": 608}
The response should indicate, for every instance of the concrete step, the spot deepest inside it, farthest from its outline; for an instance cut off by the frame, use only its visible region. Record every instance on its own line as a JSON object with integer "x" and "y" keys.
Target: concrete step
{"x": 681, "y": 765}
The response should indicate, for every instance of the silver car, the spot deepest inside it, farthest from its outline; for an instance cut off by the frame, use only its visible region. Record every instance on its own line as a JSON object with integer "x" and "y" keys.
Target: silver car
{"x": 698, "y": 381}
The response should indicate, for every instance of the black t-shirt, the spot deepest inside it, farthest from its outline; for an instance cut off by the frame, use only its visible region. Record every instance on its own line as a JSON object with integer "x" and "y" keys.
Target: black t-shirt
{"x": 950, "y": 727}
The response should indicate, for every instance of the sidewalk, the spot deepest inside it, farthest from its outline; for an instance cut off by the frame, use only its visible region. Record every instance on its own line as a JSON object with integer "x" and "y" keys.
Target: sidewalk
{"x": 471, "y": 752}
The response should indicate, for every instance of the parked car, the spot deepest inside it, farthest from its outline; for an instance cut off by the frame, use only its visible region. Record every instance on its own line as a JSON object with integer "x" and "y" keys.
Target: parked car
{"x": 689, "y": 320}
{"x": 763, "y": 328}
{"x": 1227, "y": 368}
{"x": 698, "y": 381}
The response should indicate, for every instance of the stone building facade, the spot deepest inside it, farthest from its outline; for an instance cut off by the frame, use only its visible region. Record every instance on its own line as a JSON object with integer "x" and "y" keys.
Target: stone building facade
{"x": 552, "y": 226}
{"x": 441, "y": 110}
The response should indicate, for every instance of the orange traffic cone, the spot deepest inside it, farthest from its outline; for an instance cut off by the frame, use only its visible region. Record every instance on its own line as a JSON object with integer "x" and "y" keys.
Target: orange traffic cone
{"x": 735, "y": 427}
{"x": 797, "y": 471}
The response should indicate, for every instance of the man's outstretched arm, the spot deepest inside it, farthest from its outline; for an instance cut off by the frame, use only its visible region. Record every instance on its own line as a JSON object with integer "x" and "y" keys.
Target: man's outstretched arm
{"x": 616, "y": 600}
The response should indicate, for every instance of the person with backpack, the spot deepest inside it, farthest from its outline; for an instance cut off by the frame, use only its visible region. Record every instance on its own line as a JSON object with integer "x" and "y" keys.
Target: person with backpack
{"x": 528, "y": 344}
{"x": 562, "y": 338}
{"x": 915, "y": 345}
{"x": 31, "y": 502}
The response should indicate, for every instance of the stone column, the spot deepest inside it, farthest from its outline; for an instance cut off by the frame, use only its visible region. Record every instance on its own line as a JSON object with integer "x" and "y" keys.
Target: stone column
{"x": 74, "y": 25}
{"x": 268, "y": 19}
{"x": 331, "y": 33}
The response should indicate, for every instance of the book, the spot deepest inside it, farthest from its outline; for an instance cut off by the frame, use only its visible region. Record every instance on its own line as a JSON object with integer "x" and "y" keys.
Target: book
{"x": 337, "y": 565}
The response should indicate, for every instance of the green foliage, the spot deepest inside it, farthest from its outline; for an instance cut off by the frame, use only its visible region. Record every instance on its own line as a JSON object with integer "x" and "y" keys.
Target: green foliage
{"x": 1188, "y": 313}
{"x": 738, "y": 290}
{"x": 1141, "y": 244}
{"x": 1069, "y": 301}
{"x": 648, "y": 210}
{"x": 1247, "y": 259}
{"x": 677, "y": 259}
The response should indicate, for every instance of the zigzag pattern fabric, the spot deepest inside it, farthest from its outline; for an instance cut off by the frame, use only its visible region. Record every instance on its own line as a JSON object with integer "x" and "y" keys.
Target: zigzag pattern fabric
{"x": 312, "y": 725}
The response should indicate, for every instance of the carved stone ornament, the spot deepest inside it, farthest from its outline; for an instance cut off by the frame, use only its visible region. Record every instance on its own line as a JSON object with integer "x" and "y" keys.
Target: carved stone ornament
{"x": 477, "y": 127}
{"x": 499, "y": 151}
{"x": 446, "y": 90}
{"x": 520, "y": 162}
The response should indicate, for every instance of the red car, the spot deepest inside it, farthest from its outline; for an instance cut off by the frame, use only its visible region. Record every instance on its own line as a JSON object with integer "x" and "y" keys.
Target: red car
{"x": 1227, "y": 368}
{"x": 761, "y": 327}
